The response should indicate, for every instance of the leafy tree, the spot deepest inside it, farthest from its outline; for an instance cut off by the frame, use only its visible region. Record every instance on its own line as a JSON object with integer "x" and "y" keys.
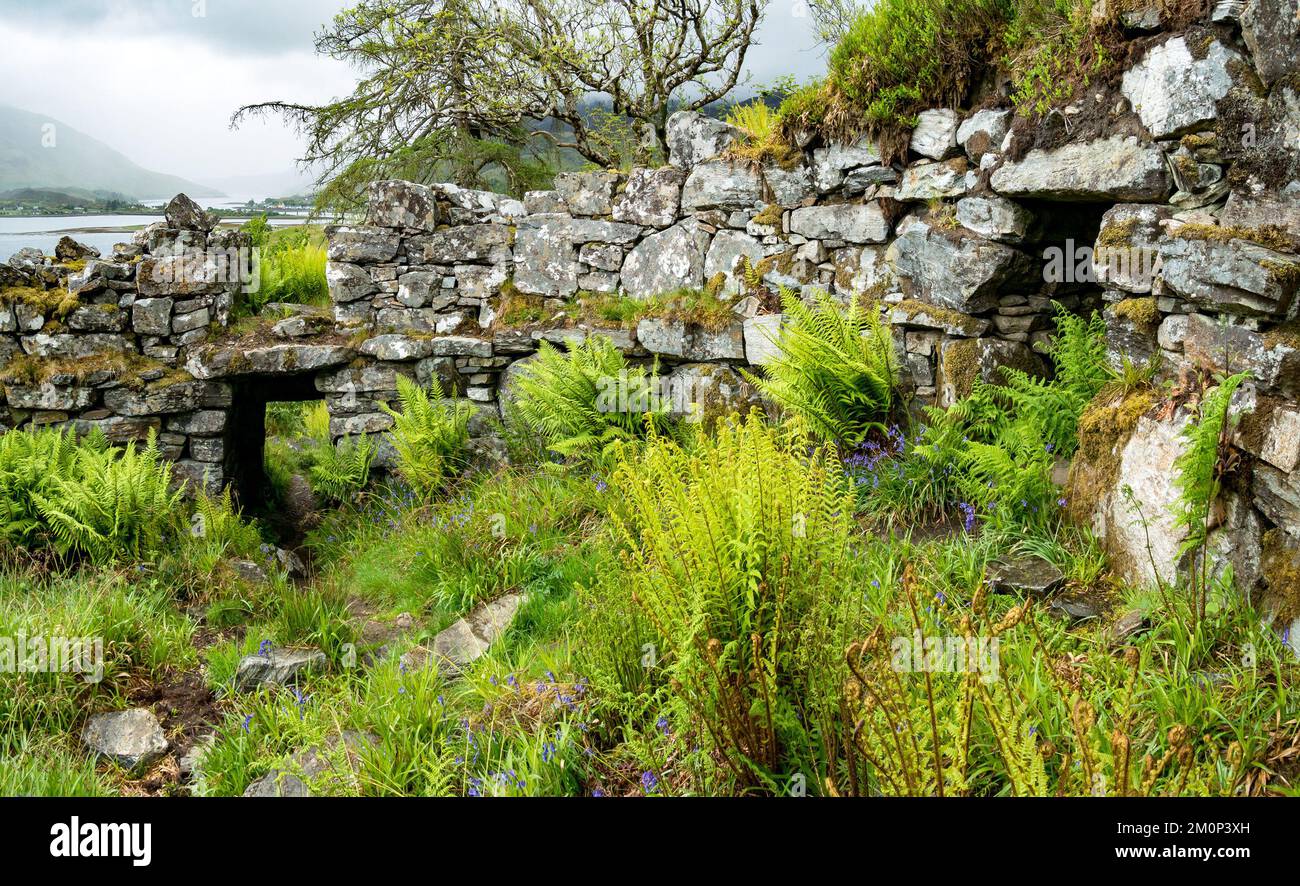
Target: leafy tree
{"x": 484, "y": 93}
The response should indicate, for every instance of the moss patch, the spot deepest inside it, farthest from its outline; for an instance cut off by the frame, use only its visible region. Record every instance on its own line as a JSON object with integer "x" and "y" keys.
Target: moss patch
{"x": 1104, "y": 429}
{"x": 1141, "y": 312}
{"x": 1280, "y": 566}
{"x": 1268, "y": 236}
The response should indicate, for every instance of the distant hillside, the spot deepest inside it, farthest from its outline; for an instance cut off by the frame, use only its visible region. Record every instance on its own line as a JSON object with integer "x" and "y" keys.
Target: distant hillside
{"x": 76, "y": 162}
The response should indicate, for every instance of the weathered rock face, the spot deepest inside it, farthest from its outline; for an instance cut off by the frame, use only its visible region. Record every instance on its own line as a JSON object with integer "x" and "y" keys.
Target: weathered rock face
{"x": 666, "y": 261}
{"x": 935, "y": 135}
{"x": 851, "y": 222}
{"x": 276, "y": 667}
{"x": 961, "y": 273}
{"x": 132, "y": 739}
{"x": 652, "y": 197}
{"x": 1174, "y": 92}
{"x": 1118, "y": 168}
{"x": 995, "y": 218}
{"x": 1269, "y": 29}
{"x": 469, "y": 638}
{"x": 962, "y": 361}
{"x": 587, "y": 193}
{"x": 401, "y": 204}
{"x": 694, "y": 138}
{"x": 722, "y": 185}
{"x": 1236, "y": 276}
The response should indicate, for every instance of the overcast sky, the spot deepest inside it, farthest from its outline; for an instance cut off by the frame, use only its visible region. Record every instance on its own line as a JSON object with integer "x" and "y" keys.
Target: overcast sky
{"x": 159, "y": 79}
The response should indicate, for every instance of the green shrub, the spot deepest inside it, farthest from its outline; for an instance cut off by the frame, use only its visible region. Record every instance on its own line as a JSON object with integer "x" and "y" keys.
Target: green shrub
{"x": 835, "y": 371}
{"x": 428, "y": 435}
{"x": 587, "y": 401}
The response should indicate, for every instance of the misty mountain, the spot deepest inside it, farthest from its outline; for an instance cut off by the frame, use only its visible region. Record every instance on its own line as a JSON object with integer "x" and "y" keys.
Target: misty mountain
{"x": 75, "y": 161}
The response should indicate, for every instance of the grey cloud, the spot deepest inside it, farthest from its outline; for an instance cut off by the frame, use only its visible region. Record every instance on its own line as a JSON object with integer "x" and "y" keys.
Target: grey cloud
{"x": 242, "y": 27}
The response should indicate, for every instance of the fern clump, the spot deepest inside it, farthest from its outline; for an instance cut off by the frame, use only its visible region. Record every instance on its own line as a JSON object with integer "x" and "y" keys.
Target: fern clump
{"x": 105, "y": 503}
{"x": 835, "y": 371}
{"x": 586, "y": 402}
{"x": 993, "y": 451}
{"x": 428, "y": 435}
{"x": 731, "y": 547}
{"x": 339, "y": 472}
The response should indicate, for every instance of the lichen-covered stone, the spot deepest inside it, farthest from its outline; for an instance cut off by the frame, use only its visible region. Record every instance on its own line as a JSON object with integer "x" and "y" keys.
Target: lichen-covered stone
{"x": 1118, "y": 168}
{"x": 722, "y": 185}
{"x": 402, "y": 204}
{"x": 652, "y": 197}
{"x": 1173, "y": 91}
{"x": 588, "y": 193}
{"x": 995, "y": 218}
{"x": 361, "y": 243}
{"x": 851, "y": 222}
{"x": 694, "y": 138}
{"x": 1234, "y": 276}
{"x": 935, "y": 133}
{"x": 959, "y": 272}
{"x": 665, "y": 261}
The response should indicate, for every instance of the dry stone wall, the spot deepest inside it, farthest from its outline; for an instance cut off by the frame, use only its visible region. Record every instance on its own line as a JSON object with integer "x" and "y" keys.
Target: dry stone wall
{"x": 1169, "y": 200}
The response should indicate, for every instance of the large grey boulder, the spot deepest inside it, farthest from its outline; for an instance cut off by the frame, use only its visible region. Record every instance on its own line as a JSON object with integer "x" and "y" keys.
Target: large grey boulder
{"x": 964, "y": 360}
{"x": 361, "y": 243}
{"x": 1127, "y": 248}
{"x": 276, "y": 667}
{"x": 469, "y": 638}
{"x": 462, "y": 243}
{"x": 588, "y": 193}
{"x": 953, "y": 270}
{"x": 722, "y": 185}
{"x": 935, "y": 135}
{"x": 851, "y": 222}
{"x": 675, "y": 339}
{"x": 707, "y": 392}
{"x": 995, "y": 218}
{"x": 652, "y": 197}
{"x": 788, "y": 187}
{"x": 230, "y": 360}
{"x": 1118, "y": 168}
{"x": 339, "y": 757}
{"x": 694, "y": 138}
{"x": 1140, "y": 532}
{"x": 403, "y": 204}
{"x": 1173, "y": 91}
{"x": 546, "y": 262}
{"x": 1269, "y": 29}
{"x": 1273, "y": 360}
{"x": 668, "y": 260}
{"x": 933, "y": 181}
{"x": 132, "y": 739}
{"x": 983, "y": 131}
{"x": 185, "y": 214}
{"x": 1234, "y": 276}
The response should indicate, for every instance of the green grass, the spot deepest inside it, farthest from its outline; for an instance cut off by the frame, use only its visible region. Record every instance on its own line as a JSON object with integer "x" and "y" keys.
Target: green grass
{"x": 292, "y": 265}
{"x": 706, "y": 615}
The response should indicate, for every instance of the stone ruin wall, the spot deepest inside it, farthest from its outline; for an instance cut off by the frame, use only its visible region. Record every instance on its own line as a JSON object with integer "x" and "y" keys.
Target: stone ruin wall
{"x": 1185, "y": 182}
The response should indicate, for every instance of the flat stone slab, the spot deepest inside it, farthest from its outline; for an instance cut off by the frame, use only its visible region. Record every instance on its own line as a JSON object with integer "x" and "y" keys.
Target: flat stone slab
{"x": 132, "y": 739}
{"x": 1030, "y": 575}
{"x": 469, "y": 638}
{"x": 228, "y": 360}
{"x": 276, "y": 667}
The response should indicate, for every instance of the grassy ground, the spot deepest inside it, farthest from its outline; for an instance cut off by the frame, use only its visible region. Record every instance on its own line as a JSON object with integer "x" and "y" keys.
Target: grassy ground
{"x": 739, "y": 609}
